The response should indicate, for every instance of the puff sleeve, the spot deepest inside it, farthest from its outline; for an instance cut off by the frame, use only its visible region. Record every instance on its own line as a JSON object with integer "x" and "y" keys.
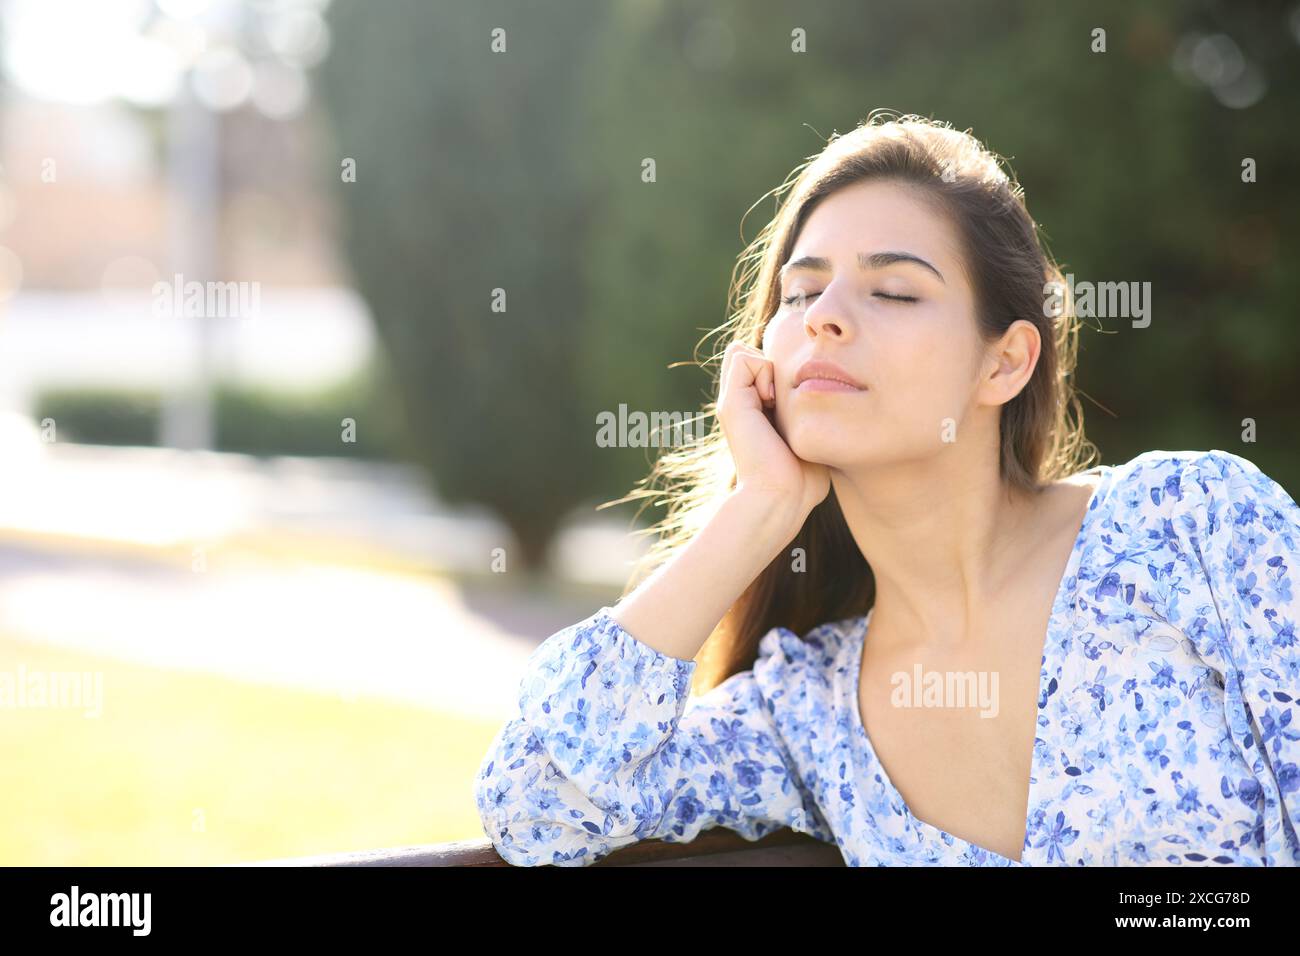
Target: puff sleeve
{"x": 609, "y": 749}
{"x": 1243, "y": 531}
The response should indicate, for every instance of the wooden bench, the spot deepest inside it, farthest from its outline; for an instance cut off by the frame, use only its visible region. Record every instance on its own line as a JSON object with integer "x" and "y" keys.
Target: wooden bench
{"x": 717, "y": 846}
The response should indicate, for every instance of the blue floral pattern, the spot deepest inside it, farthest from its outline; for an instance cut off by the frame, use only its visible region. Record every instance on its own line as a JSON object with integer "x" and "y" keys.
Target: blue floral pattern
{"x": 1166, "y": 731}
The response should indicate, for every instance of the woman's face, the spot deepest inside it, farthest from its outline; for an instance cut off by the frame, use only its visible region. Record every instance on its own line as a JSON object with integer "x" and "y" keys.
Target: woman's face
{"x": 901, "y": 324}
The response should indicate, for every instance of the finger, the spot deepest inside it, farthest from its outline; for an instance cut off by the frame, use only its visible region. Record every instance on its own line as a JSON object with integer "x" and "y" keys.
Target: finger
{"x": 729, "y": 360}
{"x": 736, "y": 372}
{"x": 764, "y": 373}
{"x": 766, "y": 383}
{"x": 745, "y": 374}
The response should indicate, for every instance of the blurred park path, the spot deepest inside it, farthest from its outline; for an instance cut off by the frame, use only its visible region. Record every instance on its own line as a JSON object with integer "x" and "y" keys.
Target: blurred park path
{"x": 329, "y": 575}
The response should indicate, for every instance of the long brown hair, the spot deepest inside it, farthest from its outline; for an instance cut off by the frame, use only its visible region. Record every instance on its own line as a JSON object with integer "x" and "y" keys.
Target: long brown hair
{"x": 1009, "y": 268}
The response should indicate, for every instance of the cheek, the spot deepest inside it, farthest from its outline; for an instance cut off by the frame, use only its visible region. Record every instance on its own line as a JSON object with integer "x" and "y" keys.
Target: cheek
{"x": 781, "y": 339}
{"x": 921, "y": 376}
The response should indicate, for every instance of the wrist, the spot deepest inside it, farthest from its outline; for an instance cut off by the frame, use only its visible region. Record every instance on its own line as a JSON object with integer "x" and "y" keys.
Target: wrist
{"x": 774, "y": 518}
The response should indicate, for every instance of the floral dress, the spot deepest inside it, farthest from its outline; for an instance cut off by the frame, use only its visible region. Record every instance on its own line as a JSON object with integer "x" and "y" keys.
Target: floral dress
{"x": 1167, "y": 731}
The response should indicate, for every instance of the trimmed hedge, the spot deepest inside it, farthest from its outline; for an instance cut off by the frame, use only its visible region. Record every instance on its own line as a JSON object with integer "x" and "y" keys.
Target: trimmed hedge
{"x": 248, "y": 420}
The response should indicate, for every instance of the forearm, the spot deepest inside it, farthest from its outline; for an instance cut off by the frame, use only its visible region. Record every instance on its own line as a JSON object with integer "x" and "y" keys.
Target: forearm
{"x": 676, "y": 609}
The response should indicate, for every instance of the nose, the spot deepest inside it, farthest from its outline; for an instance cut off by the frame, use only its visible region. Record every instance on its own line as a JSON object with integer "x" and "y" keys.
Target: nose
{"x": 826, "y": 317}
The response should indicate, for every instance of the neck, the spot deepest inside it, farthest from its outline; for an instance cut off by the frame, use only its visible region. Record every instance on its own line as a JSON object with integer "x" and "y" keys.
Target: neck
{"x": 943, "y": 536}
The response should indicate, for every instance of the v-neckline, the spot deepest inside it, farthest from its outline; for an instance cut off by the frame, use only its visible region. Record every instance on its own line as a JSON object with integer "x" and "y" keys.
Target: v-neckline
{"x": 854, "y": 684}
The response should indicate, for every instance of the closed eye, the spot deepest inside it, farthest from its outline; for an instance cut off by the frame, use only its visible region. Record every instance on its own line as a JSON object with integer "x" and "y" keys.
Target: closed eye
{"x": 792, "y": 299}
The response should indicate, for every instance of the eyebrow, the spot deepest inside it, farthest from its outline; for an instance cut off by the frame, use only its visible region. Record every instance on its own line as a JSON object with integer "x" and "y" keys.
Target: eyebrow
{"x": 874, "y": 260}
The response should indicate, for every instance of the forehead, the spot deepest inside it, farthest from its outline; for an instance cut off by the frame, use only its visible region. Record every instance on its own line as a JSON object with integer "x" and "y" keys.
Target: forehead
{"x": 872, "y": 216}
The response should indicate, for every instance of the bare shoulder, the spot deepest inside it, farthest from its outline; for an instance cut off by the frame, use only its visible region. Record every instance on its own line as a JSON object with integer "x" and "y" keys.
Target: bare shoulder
{"x": 1065, "y": 500}
{"x": 1088, "y": 480}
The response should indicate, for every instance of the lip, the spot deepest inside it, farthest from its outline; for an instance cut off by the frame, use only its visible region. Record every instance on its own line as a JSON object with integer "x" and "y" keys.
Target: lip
{"x": 818, "y": 375}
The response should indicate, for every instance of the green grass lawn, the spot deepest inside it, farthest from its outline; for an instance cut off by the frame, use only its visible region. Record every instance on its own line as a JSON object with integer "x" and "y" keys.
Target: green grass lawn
{"x": 190, "y": 769}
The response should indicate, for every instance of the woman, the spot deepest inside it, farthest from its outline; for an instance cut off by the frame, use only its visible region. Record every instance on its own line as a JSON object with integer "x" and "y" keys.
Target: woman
{"x": 934, "y": 640}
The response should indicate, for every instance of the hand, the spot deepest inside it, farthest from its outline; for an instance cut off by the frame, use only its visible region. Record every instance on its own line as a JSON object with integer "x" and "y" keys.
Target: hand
{"x": 765, "y": 465}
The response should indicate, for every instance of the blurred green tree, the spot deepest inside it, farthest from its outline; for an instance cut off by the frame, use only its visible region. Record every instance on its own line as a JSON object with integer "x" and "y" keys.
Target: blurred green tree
{"x": 465, "y": 227}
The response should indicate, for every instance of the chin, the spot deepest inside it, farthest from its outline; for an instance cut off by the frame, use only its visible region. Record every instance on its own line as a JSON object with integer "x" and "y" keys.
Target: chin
{"x": 819, "y": 447}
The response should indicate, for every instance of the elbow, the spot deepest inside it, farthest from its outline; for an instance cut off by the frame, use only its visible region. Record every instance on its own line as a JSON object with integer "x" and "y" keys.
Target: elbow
{"x": 492, "y": 789}
{"x": 534, "y": 815}
{"x": 503, "y": 802}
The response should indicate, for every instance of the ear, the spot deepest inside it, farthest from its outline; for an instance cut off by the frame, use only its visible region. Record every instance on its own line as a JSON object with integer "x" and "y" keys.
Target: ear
{"x": 1009, "y": 363}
